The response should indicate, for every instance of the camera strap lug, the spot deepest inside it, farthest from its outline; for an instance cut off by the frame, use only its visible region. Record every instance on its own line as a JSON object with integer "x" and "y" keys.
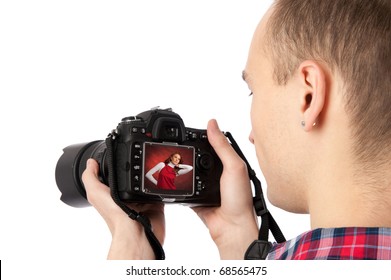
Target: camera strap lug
{"x": 113, "y": 134}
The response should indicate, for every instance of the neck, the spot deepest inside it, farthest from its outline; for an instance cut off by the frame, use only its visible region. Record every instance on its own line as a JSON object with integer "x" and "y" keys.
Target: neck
{"x": 343, "y": 204}
{"x": 340, "y": 192}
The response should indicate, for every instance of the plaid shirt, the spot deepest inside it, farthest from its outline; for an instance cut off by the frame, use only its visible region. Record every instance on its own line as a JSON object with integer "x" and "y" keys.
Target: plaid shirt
{"x": 356, "y": 243}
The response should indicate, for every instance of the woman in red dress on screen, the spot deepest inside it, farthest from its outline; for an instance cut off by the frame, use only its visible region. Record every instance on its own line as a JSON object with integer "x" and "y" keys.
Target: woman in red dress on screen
{"x": 168, "y": 171}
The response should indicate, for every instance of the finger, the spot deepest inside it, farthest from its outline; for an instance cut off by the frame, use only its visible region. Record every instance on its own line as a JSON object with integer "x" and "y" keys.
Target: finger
{"x": 220, "y": 144}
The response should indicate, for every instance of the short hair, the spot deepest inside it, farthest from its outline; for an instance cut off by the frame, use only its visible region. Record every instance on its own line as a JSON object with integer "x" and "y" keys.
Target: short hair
{"x": 353, "y": 37}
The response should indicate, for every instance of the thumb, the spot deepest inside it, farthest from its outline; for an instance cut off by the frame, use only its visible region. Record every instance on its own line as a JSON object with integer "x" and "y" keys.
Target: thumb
{"x": 220, "y": 144}
{"x": 90, "y": 177}
{"x": 91, "y": 171}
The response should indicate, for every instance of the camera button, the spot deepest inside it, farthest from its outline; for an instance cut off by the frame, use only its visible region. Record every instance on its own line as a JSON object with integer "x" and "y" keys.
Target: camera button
{"x": 137, "y": 145}
{"x": 200, "y": 186}
{"x": 205, "y": 162}
{"x": 193, "y": 136}
{"x": 136, "y": 157}
{"x": 136, "y": 167}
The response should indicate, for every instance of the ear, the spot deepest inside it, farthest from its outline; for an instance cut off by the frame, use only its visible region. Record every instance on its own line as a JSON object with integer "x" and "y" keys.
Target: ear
{"x": 312, "y": 77}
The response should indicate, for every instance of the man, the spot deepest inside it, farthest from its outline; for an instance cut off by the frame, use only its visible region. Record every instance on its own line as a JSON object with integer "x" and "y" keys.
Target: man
{"x": 319, "y": 73}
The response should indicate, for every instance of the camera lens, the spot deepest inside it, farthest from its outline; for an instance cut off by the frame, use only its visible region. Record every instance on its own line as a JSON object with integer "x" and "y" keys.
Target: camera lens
{"x": 70, "y": 168}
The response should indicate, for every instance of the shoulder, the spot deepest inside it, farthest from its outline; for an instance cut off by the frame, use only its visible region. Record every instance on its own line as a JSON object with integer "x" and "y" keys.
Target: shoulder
{"x": 325, "y": 243}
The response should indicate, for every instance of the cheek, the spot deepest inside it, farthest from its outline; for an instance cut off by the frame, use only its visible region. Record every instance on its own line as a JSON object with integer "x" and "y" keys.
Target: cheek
{"x": 258, "y": 116}
{"x": 259, "y": 133}
{"x": 261, "y": 121}
{"x": 268, "y": 136}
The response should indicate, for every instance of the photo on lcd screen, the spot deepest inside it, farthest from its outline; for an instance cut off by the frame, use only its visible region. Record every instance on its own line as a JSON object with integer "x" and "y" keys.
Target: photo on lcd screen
{"x": 168, "y": 169}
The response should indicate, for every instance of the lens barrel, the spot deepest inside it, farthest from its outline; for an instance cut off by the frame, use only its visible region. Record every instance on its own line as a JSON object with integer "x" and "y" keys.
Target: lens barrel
{"x": 70, "y": 168}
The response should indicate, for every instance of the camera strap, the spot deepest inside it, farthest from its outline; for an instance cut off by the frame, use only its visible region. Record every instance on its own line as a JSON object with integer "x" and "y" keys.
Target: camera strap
{"x": 134, "y": 215}
{"x": 259, "y": 249}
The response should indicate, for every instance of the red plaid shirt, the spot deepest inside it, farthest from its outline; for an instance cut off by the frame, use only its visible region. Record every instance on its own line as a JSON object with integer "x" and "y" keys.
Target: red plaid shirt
{"x": 353, "y": 243}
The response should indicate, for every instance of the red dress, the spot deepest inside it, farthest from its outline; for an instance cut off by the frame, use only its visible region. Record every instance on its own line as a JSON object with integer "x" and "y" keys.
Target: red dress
{"x": 166, "y": 178}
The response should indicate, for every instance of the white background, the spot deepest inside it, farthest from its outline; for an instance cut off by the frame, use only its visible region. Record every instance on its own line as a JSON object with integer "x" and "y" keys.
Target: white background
{"x": 70, "y": 70}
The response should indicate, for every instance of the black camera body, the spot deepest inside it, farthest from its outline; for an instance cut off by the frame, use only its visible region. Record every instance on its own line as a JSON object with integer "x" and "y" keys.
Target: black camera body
{"x": 155, "y": 159}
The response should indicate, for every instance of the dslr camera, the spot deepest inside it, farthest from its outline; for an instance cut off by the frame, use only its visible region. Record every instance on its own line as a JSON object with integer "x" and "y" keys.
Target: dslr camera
{"x": 155, "y": 159}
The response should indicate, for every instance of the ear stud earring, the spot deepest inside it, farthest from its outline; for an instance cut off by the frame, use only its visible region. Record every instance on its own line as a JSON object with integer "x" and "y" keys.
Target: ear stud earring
{"x": 303, "y": 124}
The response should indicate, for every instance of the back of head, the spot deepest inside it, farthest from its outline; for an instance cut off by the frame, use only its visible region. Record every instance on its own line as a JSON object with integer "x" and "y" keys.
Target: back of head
{"x": 352, "y": 37}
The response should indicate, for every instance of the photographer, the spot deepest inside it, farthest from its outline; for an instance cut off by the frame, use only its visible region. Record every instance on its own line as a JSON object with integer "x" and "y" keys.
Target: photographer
{"x": 319, "y": 74}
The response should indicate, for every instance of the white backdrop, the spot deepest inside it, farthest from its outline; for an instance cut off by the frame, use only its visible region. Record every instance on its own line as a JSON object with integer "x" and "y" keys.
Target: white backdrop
{"x": 70, "y": 70}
